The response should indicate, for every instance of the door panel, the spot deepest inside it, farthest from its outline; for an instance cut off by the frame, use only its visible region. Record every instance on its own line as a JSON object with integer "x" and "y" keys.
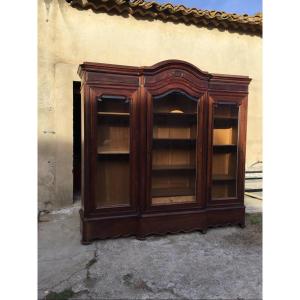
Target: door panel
{"x": 174, "y": 135}
{"x": 174, "y": 141}
{"x": 114, "y": 166}
{"x": 225, "y": 156}
{"x": 226, "y": 144}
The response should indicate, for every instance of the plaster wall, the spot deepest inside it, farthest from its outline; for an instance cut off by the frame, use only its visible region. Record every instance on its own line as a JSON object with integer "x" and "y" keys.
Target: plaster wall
{"x": 68, "y": 37}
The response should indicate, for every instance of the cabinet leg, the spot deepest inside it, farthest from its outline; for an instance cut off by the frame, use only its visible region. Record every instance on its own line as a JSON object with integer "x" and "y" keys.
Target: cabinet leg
{"x": 242, "y": 225}
{"x": 203, "y": 231}
{"x": 141, "y": 238}
{"x": 86, "y": 242}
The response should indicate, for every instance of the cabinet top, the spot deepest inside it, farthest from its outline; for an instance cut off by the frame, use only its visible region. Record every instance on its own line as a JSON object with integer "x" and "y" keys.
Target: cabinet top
{"x": 164, "y": 72}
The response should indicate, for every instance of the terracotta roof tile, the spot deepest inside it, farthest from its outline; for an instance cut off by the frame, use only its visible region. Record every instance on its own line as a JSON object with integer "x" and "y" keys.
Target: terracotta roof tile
{"x": 177, "y": 13}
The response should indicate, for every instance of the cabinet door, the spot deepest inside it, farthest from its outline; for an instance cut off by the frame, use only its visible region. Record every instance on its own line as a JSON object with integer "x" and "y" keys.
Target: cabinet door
{"x": 227, "y": 149}
{"x": 174, "y": 150}
{"x": 113, "y": 162}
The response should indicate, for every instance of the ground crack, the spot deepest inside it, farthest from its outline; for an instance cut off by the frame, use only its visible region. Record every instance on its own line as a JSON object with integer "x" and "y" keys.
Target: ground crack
{"x": 69, "y": 277}
{"x": 140, "y": 284}
{"x": 91, "y": 262}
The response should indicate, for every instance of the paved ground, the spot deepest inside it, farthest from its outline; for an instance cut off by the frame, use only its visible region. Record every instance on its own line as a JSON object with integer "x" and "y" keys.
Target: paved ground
{"x": 225, "y": 263}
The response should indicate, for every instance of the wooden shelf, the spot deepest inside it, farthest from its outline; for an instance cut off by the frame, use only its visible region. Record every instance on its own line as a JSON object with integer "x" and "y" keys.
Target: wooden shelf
{"x": 174, "y": 168}
{"x": 175, "y": 142}
{"x": 168, "y": 192}
{"x": 166, "y": 113}
{"x": 223, "y": 178}
{"x": 225, "y": 123}
{"x": 113, "y": 114}
{"x": 226, "y": 148}
{"x": 113, "y": 154}
{"x": 175, "y": 117}
{"x": 114, "y": 118}
{"x": 216, "y": 117}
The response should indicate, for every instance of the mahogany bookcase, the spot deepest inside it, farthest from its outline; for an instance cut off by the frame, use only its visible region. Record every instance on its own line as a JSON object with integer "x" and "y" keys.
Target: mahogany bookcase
{"x": 163, "y": 149}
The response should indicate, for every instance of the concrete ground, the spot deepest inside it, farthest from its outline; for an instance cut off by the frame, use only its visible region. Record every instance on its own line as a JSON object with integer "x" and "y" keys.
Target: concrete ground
{"x": 225, "y": 263}
{"x": 253, "y": 205}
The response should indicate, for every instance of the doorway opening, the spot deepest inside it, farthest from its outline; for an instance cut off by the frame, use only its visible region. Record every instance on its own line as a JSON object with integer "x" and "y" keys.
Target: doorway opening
{"x": 76, "y": 141}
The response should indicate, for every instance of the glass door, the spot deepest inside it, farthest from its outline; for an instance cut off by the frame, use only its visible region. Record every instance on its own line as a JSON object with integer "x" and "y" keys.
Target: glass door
{"x": 113, "y": 152}
{"x": 225, "y": 150}
{"x": 174, "y": 135}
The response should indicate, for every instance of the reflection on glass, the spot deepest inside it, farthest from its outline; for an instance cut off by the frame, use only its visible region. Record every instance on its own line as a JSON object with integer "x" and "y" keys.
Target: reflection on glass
{"x": 113, "y": 136}
{"x": 225, "y": 140}
{"x": 174, "y": 149}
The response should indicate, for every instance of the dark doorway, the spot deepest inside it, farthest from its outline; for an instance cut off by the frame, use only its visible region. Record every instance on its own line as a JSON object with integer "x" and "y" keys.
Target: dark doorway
{"x": 76, "y": 141}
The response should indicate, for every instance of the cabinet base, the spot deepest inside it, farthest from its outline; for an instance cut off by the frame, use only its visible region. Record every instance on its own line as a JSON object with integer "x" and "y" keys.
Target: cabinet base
{"x": 159, "y": 223}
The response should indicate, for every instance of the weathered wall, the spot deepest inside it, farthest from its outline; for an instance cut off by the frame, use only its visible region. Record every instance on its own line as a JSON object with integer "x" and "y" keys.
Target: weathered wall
{"x": 69, "y": 36}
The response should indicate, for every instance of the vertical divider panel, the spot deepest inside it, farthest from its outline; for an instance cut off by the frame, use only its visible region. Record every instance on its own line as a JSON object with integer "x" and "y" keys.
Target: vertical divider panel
{"x": 201, "y": 151}
{"x": 242, "y": 148}
{"x": 143, "y": 148}
{"x": 149, "y": 128}
{"x": 93, "y": 147}
{"x": 86, "y": 145}
{"x": 134, "y": 149}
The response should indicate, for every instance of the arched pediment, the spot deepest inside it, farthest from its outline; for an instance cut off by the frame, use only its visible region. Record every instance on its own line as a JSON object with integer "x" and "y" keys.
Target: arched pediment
{"x": 175, "y": 72}
{"x": 176, "y": 92}
{"x": 176, "y": 63}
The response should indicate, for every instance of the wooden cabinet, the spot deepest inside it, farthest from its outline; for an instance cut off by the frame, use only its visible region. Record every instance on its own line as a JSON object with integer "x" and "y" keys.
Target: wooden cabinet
{"x": 163, "y": 149}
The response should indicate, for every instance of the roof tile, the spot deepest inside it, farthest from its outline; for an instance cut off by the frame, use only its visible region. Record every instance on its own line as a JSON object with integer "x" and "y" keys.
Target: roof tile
{"x": 178, "y": 13}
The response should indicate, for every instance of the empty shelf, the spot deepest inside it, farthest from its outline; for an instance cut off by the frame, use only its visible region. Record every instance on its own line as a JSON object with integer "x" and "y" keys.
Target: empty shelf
{"x": 224, "y": 148}
{"x": 174, "y": 142}
{"x": 165, "y": 192}
{"x": 113, "y": 114}
{"x": 173, "y": 167}
{"x": 223, "y": 178}
{"x": 114, "y": 154}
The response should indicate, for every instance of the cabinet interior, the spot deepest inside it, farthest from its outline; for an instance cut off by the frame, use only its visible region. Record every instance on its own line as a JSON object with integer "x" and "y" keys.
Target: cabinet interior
{"x": 174, "y": 149}
{"x": 113, "y": 148}
{"x": 224, "y": 158}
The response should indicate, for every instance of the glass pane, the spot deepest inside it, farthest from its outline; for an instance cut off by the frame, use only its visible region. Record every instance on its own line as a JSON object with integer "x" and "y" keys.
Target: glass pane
{"x": 174, "y": 149}
{"x": 113, "y": 136}
{"x": 225, "y": 140}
